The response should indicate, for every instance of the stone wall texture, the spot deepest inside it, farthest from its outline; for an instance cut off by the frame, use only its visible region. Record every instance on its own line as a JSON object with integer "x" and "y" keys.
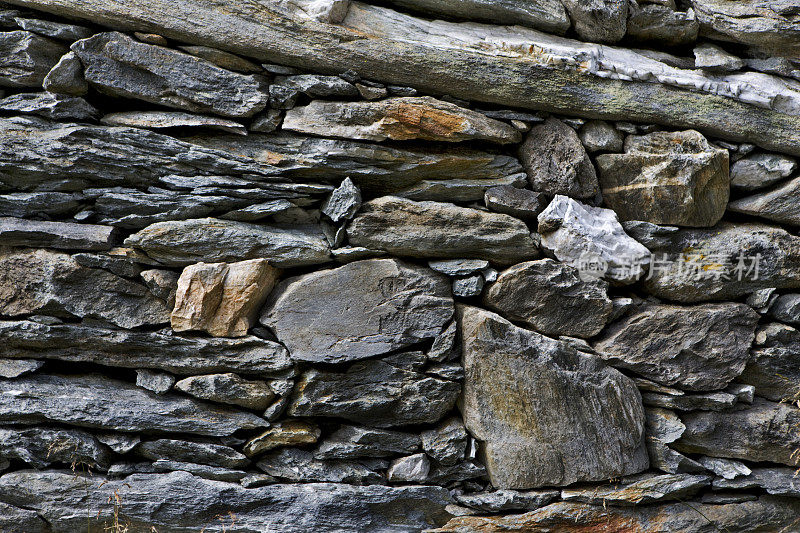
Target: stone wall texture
{"x": 374, "y": 266}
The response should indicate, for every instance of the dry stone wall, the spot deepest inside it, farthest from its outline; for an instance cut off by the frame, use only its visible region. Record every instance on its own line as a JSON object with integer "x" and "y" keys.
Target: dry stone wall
{"x": 329, "y": 265}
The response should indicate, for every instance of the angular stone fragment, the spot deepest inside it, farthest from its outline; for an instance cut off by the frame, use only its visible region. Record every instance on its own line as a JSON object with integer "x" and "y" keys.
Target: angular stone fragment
{"x": 667, "y": 178}
{"x": 12, "y": 518}
{"x": 374, "y": 393}
{"x": 662, "y": 24}
{"x": 723, "y": 263}
{"x": 433, "y": 229}
{"x": 65, "y": 235}
{"x": 48, "y": 105}
{"x": 181, "y": 502}
{"x": 195, "y": 452}
{"x": 663, "y": 427}
{"x": 508, "y": 500}
{"x": 546, "y": 414}
{"x": 142, "y": 349}
{"x": 54, "y": 30}
{"x": 766, "y": 431}
{"x": 598, "y": 20}
{"x": 545, "y": 15}
{"x": 26, "y": 58}
{"x": 772, "y": 367}
{"x": 778, "y": 481}
{"x": 779, "y": 204}
{"x": 317, "y": 86}
{"x": 228, "y": 388}
{"x": 520, "y": 203}
{"x": 650, "y": 489}
{"x": 41, "y": 446}
{"x": 343, "y": 203}
{"x": 353, "y": 441}
{"x": 447, "y": 444}
{"x": 120, "y": 66}
{"x": 411, "y": 469}
{"x": 157, "y": 382}
{"x": 295, "y": 465}
{"x": 171, "y": 119}
{"x": 13, "y": 368}
{"x": 119, "y": 442}
{"x": 592, "y": 240}
{"x": 600, "y": 136}
{"x": 162, "y": 283}
{"x": 181, "y": 243}
{"x": 359, "y": 310}
{"x": 708, "y": 401}
{"x": 458, "y": 190}
{"x": 765, "y": 515}
{"x": 222, "y": 298}
{"x": 95, "y": 401}
{"x": 398, "y": 119}
{"x": 551, "y": 298}
{"x": 284, "y": 433}
{"x": 222, "y": 59}
{"x": 761, "y": 170}
{"x": 33, "y": 281}
{"x": 556, "y": 161}
{"x": 468, "y": 287}
{"x": 727, "y": 468}
{"x": 706, "y": 348}
{"x": 458, "y": 267}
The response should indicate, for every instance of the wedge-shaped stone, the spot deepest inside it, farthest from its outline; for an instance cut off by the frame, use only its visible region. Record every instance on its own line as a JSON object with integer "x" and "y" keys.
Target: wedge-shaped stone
{"x": 140, "y": 349}
{"x": 374, "y": 393}
{"x": 180, "y": 502}
{"x": 667, "y": 178}
{"x": 766, "y": 431}
{"x": 284, "y": 433}
{"x": 41, "y": 281}
{"x": 662, "y": 23}
{"x": 776, "y": 480}
{"x": 663, "y": 427}
{"x": 398, "y": 119}
{"x": 353, "y": 441}
{"x": 228, "y": 388}
{"x": 299, "y": 466}
{"x": 720, "y": 263}
{"x": 171, "y": 119}
{"x": 765, "y": 515}
{"x": 551, "y": 298}
{"x": 774, "y": 364}
{"x": 26, "y": 58}
{"x": 95, "y": 401}
{"x": 65, "y": 235}
{"x": 598, "y": 20}
{"x": 66, "y": 77}
{"x": 359, "y": 310}
{"x": 196, "y": 452}
{"x": 592, "y": 240}
{"x": 121, "y": 66}
{"x": 545, "y": 413}
{"x": 649, "y": 489}
{"x": 222, "y": 298}
{"x": 545, "y": 15}
{"x": 440, "y": 230}
{"x": 779, "y": 204}
{"x": 40, "y": 447}
{"x": 707, "y": 345}
{"x": 181, "y": 243}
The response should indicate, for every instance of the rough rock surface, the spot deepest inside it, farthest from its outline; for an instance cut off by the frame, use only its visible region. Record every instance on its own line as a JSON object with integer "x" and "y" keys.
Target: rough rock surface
{"x": 546, "y": 414}
{"x": 26, "y": 58}
{"x": 520, "y": 203}
{"x": 354, "y": 441}
{"x": 63, "y": 235}
{"x": 48, "y": 105}
{"x": 772, "y": 367}
{"x": 548, "y": 296}
{"x": 120, "y": 66}
{"x": 598, "y": 20}
{"x": 778, "y": 205}
{"x": 436, "y": 229}
{"x": 66, "y": 77}
{"x": 667, "y": 178}
{"x": 761, "y": 170}
{"x": 171, "y": 119}
{"x": 228, "y": 388}
{"x": 705, "y": 348}
{"x": 359, "y": 310}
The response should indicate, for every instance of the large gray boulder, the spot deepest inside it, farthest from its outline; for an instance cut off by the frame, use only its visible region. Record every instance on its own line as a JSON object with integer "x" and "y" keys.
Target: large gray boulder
{"x": 699, "y": 348}
{"x": 359, "y": 310}
{"x": 551, "y": 298}
{"x": 544, "y": 413}
{"x": 26, "y": 58}
{"x": 440, "y": 230}
{"x": 667, "y": 178}
{"x": 121, "y": 66}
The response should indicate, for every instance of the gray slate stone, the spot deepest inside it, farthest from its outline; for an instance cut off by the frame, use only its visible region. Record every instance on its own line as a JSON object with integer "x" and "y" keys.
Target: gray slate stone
{"x": 434, "y": 229}
{"x": 447, "y": 443}
{"x": 551, "y": 298}
{"x": 468, "y": 287}
{"x": 546, "y": 414}
{"x": 508, "y": 500}
{"x": 458, "y": 267}
{"x": 520, "y": 203}
{"x": 412, "y": 469}
{"x": 121, "y": 66}
{"x": 215, "y": 473}
{"x": 359, "y": 310}
{"x": 592, "y": 240}
{"x": 775, "y": 480}
{"x": 374, "y": 393}
{"x": 182, "y": 243}
{"x": 708, "y": 401}
{"x": 650, "y": 489}
{"x": 40, "y": 447}
{"x": 778, "y": 205}
{"x": 95, "y": 401}
{"x": 350, "y": 442}
{"x": 119, "y": 442}
{"x": 663, "y": 427}
{"x": 85, "y": 343}
{"x": 158, "y": 382}
{"x": 295, "y": 465}
{"x": 726, "y": 468}
{"x": 707, "y": 345}
{"x": 343, "y": 203}
{"x": 32, "y": 204}
{"x": 761, "y": 170}
{"x": 772, "y": 367}
{"x": 49, "y": 105}
{"x": 662, "y": 24}
{"x": 317, "y": 86}
{"x": 26, "y": 58}
{"x": 41, "y": 281}
{"x": 712, "y": 57}
{"x": 194, "y": 452}
{"x": 54, "y": 30}
{"x": 64, "y": 235}
{"x": 601, "y": 21}
{"x": 14, "y": 368}
{"x": 600, "y": 136}
{"x": 222, "y": 59}
{"x": 66, "y": 77}
{"x": 230, "y": 389}
{"x": 180, "y": 503}
{"x": 171, "y": 119}
{"x": 284, "y": 433}
{"x": 556, "y": 161}
{"x": 12, "y": 518}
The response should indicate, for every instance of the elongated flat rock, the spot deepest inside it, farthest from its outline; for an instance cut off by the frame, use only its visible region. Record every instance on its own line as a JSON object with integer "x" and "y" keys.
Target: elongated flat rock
{"x": 359, "y": 310}
{"x": 95, "y": 401}
{"x": 171, "y": 119}
{"x": 772, "y": 368}
{"x": 139, "y": 349}
{"x": 64, "y": 235}
{"x": 191, "y": 241}
{"x": 181, "y": 503}
{"x": 398, "y": 119}
{"x": 121, "y": 66}
{"x": 544, "y": 413}
{"x": 440, "y": 230}
{"x": 464, "y": 59}
{"x": 779, "y": 205}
